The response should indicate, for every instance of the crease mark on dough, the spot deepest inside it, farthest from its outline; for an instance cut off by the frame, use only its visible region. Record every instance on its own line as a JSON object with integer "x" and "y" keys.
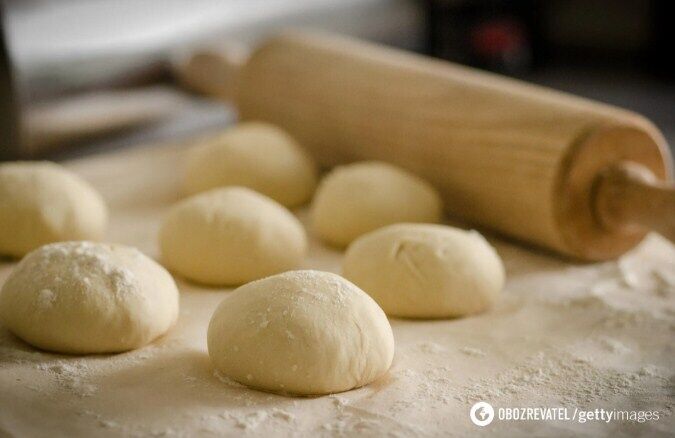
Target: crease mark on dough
{"x": 402, "y": 255}
{"x": 358, "y": 369}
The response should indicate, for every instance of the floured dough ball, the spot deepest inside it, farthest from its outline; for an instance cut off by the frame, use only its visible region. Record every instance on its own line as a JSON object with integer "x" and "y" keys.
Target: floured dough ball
{"x": 230, "y": 236}
{"x": 355, "y": 199}
{"x": 84, "y": 297}
{"x": 256, "y": 155}
{"x": 41, "y": 202}
{"x": 426, "y": 271}
{"x": 300, "y": 332}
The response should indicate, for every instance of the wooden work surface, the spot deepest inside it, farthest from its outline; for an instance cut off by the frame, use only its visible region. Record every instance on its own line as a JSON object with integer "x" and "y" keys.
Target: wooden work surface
{"x": 579, "y": 336}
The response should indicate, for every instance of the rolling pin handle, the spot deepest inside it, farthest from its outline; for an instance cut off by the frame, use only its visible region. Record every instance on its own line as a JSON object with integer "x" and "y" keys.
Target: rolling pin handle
{"x": 629, "y": 197}
{"x": 212, "y": 71}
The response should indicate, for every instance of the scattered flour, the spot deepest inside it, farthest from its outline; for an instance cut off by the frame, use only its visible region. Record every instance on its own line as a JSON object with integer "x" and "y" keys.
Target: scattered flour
{"x": 252, "y": 420}
{"x": 80, "y": 265}
{"x": 248, "y": 421}
{"x": 571, "y": 381}
{"x": 46, "y": 298}
{"x": 470, "y": 351}
{"x": 613, "y": 346}
{"x": 227, "y": 381}
{"x": 108, "y": 424}
{"x": 72, "y": 376}
{"x": 283, "y": 415}
{"x": 431, "y": 347}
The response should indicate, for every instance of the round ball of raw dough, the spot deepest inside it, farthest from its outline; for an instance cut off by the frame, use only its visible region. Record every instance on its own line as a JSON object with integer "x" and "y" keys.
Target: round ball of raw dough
{"x": 426, "y": 271}
{"x": 230, "y": 236}
{"x": 256, "y": 155}
{"x": 84, "y": 297}
{"x": 300, "y": 332}
{"x": 355, "y": 199}
{"x": 42, "y": 202}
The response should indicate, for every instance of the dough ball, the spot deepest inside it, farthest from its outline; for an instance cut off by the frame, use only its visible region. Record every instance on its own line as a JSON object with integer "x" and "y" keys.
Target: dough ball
{"x": 355, "y": 199}
{"x": 230, "y": 236}
{"x": 426, "y": 271}
{"x": 42, "y": 202}
{"x": 84, "y": 297}
{"x": 300, "y": 332}
{"x": 256, "y": 155}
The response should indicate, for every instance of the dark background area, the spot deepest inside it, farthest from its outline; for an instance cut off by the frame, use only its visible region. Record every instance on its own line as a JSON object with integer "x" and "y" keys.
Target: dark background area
{"x": 618, "y": 52}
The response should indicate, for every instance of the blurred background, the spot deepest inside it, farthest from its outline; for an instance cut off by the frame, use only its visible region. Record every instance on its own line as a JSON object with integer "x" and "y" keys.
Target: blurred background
{"x": 82, "y": 76}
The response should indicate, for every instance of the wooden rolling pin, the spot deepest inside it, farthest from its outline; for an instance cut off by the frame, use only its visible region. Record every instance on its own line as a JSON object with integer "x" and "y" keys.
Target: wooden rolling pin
{"x": 585, "y": 179}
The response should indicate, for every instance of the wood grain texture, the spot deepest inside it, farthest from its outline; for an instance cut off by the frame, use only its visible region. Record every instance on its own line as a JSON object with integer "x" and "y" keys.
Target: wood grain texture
{"x": 503, "y": 153}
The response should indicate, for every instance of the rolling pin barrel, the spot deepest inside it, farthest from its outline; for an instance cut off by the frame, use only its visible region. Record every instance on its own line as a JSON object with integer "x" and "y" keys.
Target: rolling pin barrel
{"x": 517, "y": 158}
